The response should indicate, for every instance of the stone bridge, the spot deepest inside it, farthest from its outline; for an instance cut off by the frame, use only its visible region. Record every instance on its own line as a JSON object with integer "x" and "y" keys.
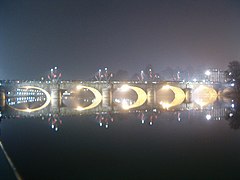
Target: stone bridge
{"x": 146, "y": 93}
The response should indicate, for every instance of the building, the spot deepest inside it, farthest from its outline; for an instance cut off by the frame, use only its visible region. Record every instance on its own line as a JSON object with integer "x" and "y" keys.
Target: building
{"x": 215, "y": 75}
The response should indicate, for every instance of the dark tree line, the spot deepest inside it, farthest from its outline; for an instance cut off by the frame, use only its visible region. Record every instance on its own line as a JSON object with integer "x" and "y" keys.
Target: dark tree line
{"x": 233, "y": 74}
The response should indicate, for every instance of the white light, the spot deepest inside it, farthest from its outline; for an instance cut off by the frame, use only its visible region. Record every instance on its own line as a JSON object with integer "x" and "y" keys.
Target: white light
{"x": 125, "y": 104}
{"x": 208, "y": 73}
{"x": 79, "y": 108}
{"x": 55, "y": 67}
{"x": 79, "y": 87}
{"x": 166, "y": 87}
{"x": 232, "y": 105}
{"x": 100, "y": 124}
{"x": 208, "y": 116}
{"x": 230, "y": 114}
{"x": 124, "y": 88}
{"x": 194, "y": 80}
{"x": 232, "y": 84}
{"x": 143, "y": 121}
{"x": 52, "y": 126}
{"x": 150, "y": 123}
{"x": 106, "y": 69}
{"x": 106, "y": 126}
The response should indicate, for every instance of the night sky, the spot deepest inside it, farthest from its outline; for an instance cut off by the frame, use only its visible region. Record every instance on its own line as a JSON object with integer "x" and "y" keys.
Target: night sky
{"x": 82, "y": 36}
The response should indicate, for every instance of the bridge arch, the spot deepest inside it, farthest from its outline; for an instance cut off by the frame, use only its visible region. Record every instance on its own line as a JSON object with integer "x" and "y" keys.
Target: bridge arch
{"x": 96, "y": 102}
{"x": 141, "y": 96}
{"x": 48, "y": 99}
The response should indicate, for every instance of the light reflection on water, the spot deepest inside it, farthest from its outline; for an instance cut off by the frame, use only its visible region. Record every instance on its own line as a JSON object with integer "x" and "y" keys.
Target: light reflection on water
{"x": 210, "y": 109}
{"x": 60, "y": 142}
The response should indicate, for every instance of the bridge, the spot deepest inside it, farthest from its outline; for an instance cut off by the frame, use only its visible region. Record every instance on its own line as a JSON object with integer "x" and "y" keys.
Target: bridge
{"x": 108, "y": 96}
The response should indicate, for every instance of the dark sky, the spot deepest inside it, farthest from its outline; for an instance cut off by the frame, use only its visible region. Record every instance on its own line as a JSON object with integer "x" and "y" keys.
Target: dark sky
{"x": 81, "y": 36}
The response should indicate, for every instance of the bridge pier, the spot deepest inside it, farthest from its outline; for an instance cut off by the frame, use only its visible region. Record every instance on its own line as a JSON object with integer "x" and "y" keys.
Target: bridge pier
{"x": 2, "y": 98}
{"x": 151, "y": 96}
{"x": 107, "y": 97}
{"x": 55, "y": 98}
{"x": 188, "y": 95}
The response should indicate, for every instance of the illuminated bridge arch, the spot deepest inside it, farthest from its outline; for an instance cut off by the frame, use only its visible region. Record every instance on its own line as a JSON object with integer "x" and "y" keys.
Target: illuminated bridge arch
{"x": 179, "y": 96}
{"x": 96, "y": 102}
{"x": 204, "y": 95}
{"x": 48, "y": 100}
{"x": 141, "y": 97}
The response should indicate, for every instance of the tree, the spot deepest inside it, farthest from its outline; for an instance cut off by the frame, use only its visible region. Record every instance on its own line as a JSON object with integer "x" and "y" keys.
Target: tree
{"x": 233, "y": 74}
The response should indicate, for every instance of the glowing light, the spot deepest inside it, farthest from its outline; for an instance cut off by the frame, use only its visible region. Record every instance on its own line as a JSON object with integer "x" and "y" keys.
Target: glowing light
{"x": 208, "y": 116}
{"x": 79, "y": 108}
{"x": 125, "y": 104}
{"x": 165, "y": 105}
{"x": 204, "y": 95}
{"x": 141, "y": 97}
{"x": 79, "y": 87}
{"x": 179, "y": 97}
{"x": 125, "y": 88}
{"x": 28, "y": 110}
{"x": 48, "y": 100}
{"x": 95, "y": 103}
{"x": 166, "y": 87}
{"x": 207, "y": 73}
{"x": 230, "y": 114}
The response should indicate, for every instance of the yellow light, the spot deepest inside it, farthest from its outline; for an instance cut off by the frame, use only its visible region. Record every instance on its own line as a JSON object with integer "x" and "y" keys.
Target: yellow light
{"x": 28, "y": 110}
{"x": 179, "y": 96}
{"x": 165, "y": 105}
{"x": 48, "y": 100}
{"x": 79, "y": 87}
{"x": 97, "y": 100}
{"x": 79, "y": 108}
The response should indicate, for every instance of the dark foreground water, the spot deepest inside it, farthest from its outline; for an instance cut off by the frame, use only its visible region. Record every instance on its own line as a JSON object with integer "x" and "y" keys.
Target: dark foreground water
{"x": 190, "y": 147}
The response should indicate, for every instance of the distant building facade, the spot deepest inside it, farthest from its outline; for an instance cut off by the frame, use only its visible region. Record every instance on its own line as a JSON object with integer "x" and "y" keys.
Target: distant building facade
{"x": 216, "y": 76}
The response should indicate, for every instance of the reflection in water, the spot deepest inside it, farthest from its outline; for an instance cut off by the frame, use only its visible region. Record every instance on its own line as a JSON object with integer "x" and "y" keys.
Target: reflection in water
{"x": 218, "y": 111}
{"x": 149, "y": 116}
{"x": 54, "y": 121}
{"x": 204, "y": 95}
{"x": 28, "y": 99}
{"x": 233, "y": 115}
{"x": 126, "y": 99}
{"x": 104, "y": 119}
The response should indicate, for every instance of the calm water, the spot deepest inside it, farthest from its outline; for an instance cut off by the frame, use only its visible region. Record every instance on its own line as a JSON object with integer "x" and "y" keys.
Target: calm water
{"x": 197, "y": 139}
{"x": 180, "y": 144}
